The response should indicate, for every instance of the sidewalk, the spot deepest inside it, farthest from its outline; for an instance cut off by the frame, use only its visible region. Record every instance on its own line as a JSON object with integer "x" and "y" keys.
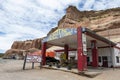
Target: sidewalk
{"x": 89, "y": 73}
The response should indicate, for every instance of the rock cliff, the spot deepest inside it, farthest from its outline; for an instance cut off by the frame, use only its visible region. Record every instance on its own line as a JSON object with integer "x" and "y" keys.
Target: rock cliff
{"x": 105, "y": 22}
{"x": 18, "y": 47}
{"x": 24, "y": 45}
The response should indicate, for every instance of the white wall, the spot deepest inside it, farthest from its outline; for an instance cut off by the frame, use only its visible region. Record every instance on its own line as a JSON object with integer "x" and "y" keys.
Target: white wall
{"x": 107, "y": 52}
{"x": 116, "y": 53}
{"x": 103, "y": 52}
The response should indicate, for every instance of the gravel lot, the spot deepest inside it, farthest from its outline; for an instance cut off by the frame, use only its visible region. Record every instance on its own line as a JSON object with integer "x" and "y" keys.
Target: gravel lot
{"x": 12, "y": 70}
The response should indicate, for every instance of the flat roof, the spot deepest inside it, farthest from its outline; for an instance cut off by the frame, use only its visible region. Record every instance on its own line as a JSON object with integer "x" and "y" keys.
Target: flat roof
{"x": 69, "y": 35}
{"x": 94, "y": 35}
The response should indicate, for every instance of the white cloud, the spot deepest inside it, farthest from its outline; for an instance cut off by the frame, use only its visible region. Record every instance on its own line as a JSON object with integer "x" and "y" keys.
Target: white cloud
{"x": 29, "y": 19}
{"x": 88, "y": 4}
{"x": 105, "y": 4}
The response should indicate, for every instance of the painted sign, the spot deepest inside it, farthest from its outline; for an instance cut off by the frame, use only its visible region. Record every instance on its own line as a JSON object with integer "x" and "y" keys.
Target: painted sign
{"x": 84, "y": 43}
{"x": 59, "y": 33}
{"x": 33, "y": 58}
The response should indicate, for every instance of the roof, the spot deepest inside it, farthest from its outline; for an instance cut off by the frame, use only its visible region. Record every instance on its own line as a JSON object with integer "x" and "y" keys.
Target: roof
{"x": 64, "y": 32}
{"x": 53, "y": 48}
{"x": 93, "y": 34}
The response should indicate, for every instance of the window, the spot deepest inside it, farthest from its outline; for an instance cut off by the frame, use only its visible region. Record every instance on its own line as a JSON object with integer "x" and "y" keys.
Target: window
{"x": 117, "y": 59}
{"x": 99, "y": 58}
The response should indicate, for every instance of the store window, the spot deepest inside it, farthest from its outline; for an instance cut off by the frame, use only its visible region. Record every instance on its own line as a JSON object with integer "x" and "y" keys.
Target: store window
{"x": 117, "y": 59}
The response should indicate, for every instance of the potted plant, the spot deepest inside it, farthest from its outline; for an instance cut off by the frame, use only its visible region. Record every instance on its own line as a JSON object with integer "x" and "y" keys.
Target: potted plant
{"x": 58, "y": 65}
{"x": 69, "y": 67}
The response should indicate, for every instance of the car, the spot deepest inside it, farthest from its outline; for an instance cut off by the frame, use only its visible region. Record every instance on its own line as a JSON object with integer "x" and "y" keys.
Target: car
{"x": 52, "y": 60}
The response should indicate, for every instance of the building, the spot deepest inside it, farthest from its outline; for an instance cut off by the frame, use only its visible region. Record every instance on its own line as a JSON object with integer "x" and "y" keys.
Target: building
{"x": 89, "y": 47}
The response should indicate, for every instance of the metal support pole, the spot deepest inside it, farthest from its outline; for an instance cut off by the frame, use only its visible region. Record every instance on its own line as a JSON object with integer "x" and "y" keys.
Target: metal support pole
{"x": 24, "y": 62}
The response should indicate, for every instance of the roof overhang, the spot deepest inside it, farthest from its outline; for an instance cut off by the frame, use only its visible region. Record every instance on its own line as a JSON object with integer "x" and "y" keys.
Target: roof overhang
{"x": 60, "y": 37}
{"x": 98, "y": 37}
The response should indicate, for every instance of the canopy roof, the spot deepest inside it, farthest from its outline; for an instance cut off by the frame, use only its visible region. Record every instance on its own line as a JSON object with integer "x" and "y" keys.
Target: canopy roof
{"x": 60, "y": 37}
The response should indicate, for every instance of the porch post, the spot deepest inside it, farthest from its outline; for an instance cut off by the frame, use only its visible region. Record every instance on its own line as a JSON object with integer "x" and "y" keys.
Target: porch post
{"x": 81, "y": 57}
{"x": 94, "y": 53}
{"x": 43, "y": 52}
{"x": 66, "y": 47}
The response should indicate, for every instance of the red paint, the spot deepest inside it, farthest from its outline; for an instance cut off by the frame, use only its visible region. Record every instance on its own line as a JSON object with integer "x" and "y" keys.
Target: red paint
{"x": 82, "y": 63}
{"x": 43, "y": 52}
{"x": 94, "y": 54}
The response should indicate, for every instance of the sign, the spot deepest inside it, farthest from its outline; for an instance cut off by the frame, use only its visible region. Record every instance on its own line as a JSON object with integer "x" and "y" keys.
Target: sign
{"x": 84, "y": 42}
{"x": 30, "y": 58}
{"x": 59, "y": 33}
{"x": 33, "y": 58}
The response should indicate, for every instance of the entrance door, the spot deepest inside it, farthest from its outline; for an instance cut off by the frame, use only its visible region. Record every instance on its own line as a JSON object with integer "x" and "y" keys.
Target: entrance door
{"x": 105, "y": 61}
{"x": 88, "y": 61}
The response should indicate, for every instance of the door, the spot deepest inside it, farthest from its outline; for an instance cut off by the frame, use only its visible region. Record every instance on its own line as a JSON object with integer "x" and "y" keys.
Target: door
{"x": 88, "y": 61}
{"x": 105, "y": 61}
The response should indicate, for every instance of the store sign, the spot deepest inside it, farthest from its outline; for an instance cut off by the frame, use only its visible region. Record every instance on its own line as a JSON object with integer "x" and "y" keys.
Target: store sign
{"x": 84, "y": 44}
{"x": 59, "y": 33}
{"x": 33, "y": 58}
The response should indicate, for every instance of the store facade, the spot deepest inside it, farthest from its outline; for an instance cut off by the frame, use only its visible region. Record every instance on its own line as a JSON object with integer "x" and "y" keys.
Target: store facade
{"x": 86, "y": 43}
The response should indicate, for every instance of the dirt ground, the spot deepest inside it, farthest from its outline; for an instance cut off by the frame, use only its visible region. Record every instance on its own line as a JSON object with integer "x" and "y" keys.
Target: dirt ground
{"x": 12, "y": 70}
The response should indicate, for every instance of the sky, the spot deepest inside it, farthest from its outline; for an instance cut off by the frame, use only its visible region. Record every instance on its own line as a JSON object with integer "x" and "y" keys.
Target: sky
{"x": 29, "y": 19}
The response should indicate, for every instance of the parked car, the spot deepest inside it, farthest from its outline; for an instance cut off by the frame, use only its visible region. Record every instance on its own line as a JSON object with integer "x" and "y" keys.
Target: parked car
{"x": 52, "y": 60}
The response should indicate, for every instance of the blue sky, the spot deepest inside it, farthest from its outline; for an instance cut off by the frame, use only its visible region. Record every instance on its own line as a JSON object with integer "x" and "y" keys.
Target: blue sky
{"x": 30, "y": 19}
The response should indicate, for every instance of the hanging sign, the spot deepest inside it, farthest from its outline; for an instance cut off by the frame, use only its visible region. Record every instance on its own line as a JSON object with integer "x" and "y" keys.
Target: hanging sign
{"x": 84, "y": 44}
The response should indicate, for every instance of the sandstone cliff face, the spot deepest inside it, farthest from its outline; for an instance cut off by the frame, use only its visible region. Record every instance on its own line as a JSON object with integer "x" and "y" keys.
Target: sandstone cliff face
{"x": 18, "y": 47}
{"x": 13, "y": 53}
{"x": 105, "y": 22}
{"x": 25, "y": 45}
